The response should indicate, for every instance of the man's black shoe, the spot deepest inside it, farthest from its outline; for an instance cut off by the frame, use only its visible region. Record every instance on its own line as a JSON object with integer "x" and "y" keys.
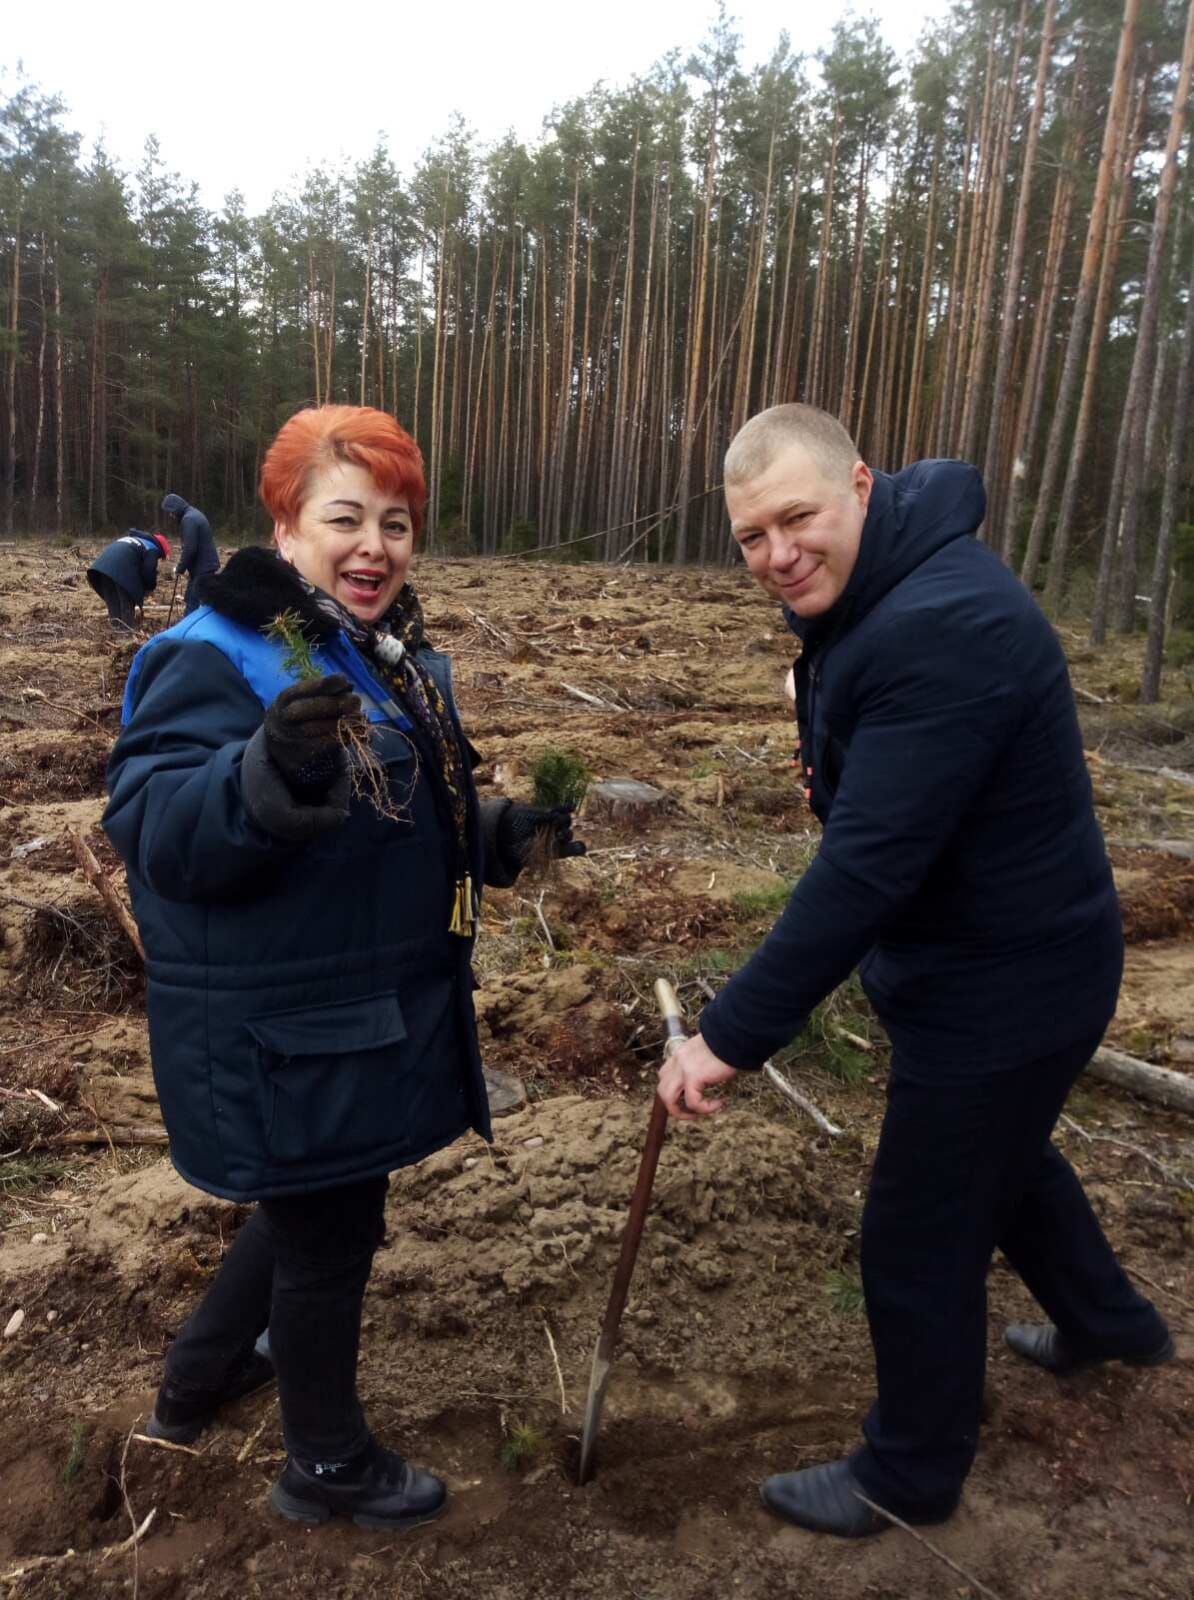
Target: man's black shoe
{"x": 824, "y": 1499}
{"x": 385, "y": 1492}
{"x": 1046, "y": 1347}
{"x": 181, "y": 1412}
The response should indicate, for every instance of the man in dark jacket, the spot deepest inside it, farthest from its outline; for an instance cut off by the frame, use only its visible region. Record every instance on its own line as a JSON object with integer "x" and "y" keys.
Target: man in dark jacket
{"x": 198, "y": 557}
{"x": 125, "y": 572}
{"x": 961, "y": 865}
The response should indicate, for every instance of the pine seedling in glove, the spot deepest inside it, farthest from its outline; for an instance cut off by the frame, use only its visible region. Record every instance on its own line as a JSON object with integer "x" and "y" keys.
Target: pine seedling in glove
{"x": 535, "y": 836}
{"x": 366, "y": 774}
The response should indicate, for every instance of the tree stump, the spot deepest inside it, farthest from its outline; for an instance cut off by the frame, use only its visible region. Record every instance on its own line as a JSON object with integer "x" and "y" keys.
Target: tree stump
{"x": 625, "y": 800}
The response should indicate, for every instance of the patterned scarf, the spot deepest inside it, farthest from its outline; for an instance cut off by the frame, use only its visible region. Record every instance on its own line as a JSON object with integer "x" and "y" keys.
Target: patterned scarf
{"x": 391, "y": 645}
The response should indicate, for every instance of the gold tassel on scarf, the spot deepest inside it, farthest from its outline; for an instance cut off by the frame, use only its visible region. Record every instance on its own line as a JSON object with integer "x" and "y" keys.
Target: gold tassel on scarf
{"x": 464, "y": 909}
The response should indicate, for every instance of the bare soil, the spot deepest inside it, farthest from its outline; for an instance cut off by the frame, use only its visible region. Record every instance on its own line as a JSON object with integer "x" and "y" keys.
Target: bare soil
{"x": 744, "y": 1350}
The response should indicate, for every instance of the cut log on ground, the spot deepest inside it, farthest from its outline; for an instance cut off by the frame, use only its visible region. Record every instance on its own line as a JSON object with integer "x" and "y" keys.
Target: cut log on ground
{"x": 625, "y": 800}
{"x": 130, "y": 1135}
{"x": 1159, "y": 1084}
{"x": 99, "y": 880}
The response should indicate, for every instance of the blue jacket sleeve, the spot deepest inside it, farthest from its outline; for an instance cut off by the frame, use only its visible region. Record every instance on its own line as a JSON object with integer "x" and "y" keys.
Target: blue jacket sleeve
{"x": 938, "y": 708}
{"x": 175, "y": 810}
{"x": 190, "y": 544}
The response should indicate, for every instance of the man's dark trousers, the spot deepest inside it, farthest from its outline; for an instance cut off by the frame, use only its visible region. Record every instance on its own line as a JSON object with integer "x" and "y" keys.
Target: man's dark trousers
{"x": 122, "y": 610}
{"x": 964, "y": 1166}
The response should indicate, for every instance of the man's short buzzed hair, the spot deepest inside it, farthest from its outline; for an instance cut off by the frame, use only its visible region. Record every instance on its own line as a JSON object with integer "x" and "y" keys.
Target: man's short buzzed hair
{"x": 757, "y": 443}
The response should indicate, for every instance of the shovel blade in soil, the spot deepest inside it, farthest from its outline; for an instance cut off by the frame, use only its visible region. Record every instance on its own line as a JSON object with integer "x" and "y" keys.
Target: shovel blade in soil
{"x": 598, "y": 1380}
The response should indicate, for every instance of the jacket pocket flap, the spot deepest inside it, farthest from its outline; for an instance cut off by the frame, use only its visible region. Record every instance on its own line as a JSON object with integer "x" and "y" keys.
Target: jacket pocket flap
{"x": 341, "y": 1028}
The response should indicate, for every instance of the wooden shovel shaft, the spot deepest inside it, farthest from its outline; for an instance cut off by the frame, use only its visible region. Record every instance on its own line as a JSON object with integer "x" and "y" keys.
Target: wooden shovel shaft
{"x": 631, "y": 1237}
{"x": 633, "y": 1232}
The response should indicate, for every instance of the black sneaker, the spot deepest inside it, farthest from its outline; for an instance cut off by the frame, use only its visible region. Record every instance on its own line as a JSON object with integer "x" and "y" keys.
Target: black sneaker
{"x": 1045, "y": 1347}
{"x": 181, "y": 1412}
{"x": 384, "y": 1492}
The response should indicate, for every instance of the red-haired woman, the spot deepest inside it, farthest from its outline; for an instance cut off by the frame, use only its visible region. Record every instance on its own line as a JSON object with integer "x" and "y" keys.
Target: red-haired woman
{"x": 307, "y": 948}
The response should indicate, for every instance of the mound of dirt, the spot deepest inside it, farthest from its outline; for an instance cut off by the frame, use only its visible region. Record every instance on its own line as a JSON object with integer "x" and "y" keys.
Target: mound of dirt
{"x": 537, "y": 1220}
{"x": 552, "y": 1020}
{"x": 136, "y": 1221}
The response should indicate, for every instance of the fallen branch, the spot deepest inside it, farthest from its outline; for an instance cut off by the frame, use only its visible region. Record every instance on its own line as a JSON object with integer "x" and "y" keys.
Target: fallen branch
{"x": 166, "y": 1444}
{"x": 589, "y": 699}
{"x": 483, "y": 622}
{"x": 855, "y": 1039}
{"x": 1158, "y": 1084}
{"x": 787, "y": 1088}
{"x": 1171, "y": 1175}
{"x": 133, "y": 1540}
{"x": 99, "y": 880}
{"x": 949, "y": 1561}
{"x": 128, "y": 1135}
{"x": 785, "y": 1085}
{"x": 1160, "y": 1288}
{"x": 30, "y": 1094}
{"x": 551, "y": 1345}
{"x": 246, "y": 1449}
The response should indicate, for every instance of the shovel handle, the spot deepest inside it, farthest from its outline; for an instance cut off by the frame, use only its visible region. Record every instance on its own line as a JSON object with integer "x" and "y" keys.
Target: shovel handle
{"x": 673, "y": 1017}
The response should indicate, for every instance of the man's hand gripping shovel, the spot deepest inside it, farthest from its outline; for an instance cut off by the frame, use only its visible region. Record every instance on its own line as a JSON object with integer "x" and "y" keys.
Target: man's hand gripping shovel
{"x": 631, "y": 1237}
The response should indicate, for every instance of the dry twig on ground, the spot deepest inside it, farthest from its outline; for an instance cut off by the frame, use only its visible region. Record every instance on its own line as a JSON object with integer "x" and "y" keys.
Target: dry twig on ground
{"x": 941, "y": 1556}
{"x": 99, "y": 880}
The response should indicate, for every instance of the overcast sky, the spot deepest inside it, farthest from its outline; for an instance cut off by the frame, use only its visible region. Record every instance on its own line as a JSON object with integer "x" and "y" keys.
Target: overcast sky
{"x": 247, "y": 95}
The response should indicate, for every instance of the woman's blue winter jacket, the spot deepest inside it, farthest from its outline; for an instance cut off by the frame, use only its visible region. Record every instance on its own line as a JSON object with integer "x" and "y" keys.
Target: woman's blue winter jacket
{"x": 310, "y": 1014}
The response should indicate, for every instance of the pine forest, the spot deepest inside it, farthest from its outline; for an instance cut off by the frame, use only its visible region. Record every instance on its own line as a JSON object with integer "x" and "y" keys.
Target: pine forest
{"x": 985, "y": 250}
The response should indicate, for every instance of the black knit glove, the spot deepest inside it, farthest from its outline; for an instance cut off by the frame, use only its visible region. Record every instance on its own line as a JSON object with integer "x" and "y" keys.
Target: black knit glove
{"x": 302, "y": 733}
{"x": 517, "y": 829}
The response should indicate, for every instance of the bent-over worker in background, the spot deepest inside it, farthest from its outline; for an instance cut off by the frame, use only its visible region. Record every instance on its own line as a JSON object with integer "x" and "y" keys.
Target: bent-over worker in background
{"x": 962, "y": 866}
{"x": 126, "y": 571}
{"x": 198, "y": 557}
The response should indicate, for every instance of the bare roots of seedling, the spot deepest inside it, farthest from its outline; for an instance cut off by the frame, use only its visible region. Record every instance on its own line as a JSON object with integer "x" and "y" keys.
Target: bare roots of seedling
{"x": 367, "y": 776}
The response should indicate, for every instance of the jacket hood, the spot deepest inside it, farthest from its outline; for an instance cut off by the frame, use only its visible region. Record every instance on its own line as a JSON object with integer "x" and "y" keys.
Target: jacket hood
{"x": 174, "y": 505}
{"x": 256, "y": 586}
{"x": 912, "y": 514}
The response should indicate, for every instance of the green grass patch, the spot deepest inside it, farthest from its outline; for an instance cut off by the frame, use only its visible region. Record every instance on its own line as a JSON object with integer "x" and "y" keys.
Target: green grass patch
{"x": 78, "y": 1449}
{"x": 23, "y": 1174}
{"x": 767, "y": 902}
{"x": 843, "y": 1286}
{"x": 522, "y": 1447}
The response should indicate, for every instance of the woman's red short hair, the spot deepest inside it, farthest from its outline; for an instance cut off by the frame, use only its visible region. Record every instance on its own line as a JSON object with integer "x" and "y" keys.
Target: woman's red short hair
{"x": 315, "y": 438}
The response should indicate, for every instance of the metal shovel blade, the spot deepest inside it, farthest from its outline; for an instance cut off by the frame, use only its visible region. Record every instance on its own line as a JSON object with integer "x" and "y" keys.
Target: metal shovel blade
{"x": 598, "y": 1379}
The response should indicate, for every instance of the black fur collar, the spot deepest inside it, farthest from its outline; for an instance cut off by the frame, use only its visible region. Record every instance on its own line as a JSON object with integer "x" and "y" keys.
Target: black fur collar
{"x": 255, "y": 587}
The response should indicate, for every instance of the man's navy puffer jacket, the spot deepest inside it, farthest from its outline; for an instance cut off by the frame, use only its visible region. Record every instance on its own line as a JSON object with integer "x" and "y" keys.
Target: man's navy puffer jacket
{"x": 961, "y": 862}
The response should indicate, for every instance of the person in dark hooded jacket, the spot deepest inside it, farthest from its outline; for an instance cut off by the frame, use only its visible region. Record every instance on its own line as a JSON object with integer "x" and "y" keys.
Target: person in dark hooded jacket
{"x": 962, "y": 868}
{"x": 308, "y": 923}
{"x": 198, "y": 557}
{"x": 125, "y": 572}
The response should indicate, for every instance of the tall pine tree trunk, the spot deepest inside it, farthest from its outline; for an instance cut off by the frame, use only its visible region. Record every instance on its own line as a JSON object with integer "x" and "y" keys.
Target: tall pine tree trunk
{"x": 1076, "y": 346}
{"x": 1146, "y": 335}
{"x": 1074, "y": 478}
{"x": 1158, "y": 600}
{"x": 1009, "y": 317}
